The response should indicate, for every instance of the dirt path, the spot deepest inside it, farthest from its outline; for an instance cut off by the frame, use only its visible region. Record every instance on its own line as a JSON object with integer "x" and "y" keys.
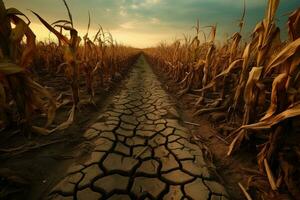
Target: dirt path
{"x": 140, "y": 150}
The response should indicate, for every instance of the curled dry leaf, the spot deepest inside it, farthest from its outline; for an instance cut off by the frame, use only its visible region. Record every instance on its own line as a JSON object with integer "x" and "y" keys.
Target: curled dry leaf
{"x": 65, "y": 22}
{"x": 278, "y": 86}
{"x": 254, "y": 76}
{"x": 294, "y": 25}
{"x": 14, "y": 12}
{"x": 231, "y": 67}
{"x": 242, "y": 80}
{"x": 61, "y": 37}
{"x": 8, "y": 68}
{"x": 267, "y": 123}
{"x": 247, "y": 195}
{"x": 286, "y": 53}
{"x": 270, "y": 175}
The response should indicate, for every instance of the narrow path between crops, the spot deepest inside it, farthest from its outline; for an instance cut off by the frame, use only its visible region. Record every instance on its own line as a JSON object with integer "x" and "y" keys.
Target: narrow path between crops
{"x": 140, "y": 150}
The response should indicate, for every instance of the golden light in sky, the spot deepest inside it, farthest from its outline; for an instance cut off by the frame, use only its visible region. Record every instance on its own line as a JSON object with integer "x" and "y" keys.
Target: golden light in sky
{"x": 144, "y": 23}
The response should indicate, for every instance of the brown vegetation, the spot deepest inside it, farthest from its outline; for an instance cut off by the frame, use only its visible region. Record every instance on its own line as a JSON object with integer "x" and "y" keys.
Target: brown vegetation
{"x": 257, "y": 83}
{"x": 101, "y": 57}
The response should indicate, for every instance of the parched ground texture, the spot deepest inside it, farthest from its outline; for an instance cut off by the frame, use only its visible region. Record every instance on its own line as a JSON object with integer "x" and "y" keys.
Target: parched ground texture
{"x": 141, "y": 151}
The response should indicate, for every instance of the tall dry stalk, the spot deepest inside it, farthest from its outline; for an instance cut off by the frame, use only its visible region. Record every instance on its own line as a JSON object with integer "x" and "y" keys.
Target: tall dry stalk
{"x": 70, "y": 55}
{"x": 259, "y": 82}
{"x": 27, "y": 94}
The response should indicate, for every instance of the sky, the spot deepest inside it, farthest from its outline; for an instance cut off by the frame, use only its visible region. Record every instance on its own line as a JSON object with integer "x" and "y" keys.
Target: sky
{"x": 146, "y": 23}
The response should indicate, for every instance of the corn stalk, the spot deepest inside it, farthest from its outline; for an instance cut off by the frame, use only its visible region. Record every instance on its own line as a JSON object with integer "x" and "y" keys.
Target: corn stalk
{"x": 27, "y": 94}
{"x": 70, "y": 54}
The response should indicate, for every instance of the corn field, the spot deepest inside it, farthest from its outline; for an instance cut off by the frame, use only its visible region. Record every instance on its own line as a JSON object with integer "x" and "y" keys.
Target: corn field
{"x": 256, "y": 84}
{"x": 98, "y": 60}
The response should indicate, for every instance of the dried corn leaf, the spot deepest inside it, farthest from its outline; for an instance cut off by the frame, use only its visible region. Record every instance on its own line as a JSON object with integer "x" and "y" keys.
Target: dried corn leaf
{"x": 277, "y": 86}
{"x": 247, "y": 195}
{"x": 68, "y": 28}
{"x": 69, "y": 55}
{"x": 69, "y": 121}
{"x": 69, "y": 13}
{"x": 254, "y": 76}
{"x": 292, "y": 111}
{"x": 224, "y": 73}
{"x": 236, "y": 142}
{"x": 41, "y": 131}
{"x": 39, "y": 94}
{"x": 270, "y": 41}
{"x": 65, "y": 22}
{"x": 18, "y": 32}
{"x": 271, "y": 10}
{"x": 61, "y": 37}
{"x": 27, "y": 54}
{"x": 286, "y": 53}
{"x": 210, "y": 85}
{"x": 294, "y": 25}
{"x": 200, "y": 62}
{"x": 259, "y": 27}
{"x": 8, "y": 68}
{"x": 242, "y": 20}
{"x": 242, "y": 80}
{"x": 292, "y": 69}
{"x": 213, "y": 33}
{"x": 246, "y": 56}
{"x": 234, "y": 46}
{"x": 89, "y": 24}
{"x": 258, "y": 37}
{"x": 14, "y": 11}
{"x": 231, "y": 67}
{"x": 270, "y": 175}
{"x": 97, "y": 34}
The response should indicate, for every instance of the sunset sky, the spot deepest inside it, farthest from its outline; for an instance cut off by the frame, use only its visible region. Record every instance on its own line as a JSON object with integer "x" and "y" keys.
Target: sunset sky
{"x": 145, "y": 23}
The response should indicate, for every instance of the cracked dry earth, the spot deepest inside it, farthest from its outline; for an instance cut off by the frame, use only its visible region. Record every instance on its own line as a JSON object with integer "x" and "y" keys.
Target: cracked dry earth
{"x": 141, "y": 151}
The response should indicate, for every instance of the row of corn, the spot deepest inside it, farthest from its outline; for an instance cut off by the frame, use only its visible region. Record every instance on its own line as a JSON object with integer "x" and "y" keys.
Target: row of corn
{"x": 97, "y": 60}
{"x": 257, "y": 85}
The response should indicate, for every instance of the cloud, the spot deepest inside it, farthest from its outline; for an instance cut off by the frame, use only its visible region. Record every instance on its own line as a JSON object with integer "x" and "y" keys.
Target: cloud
{"x": 134, "y": 6}
{"x": 128, "y": 25}
{"x": 236, "y": 3}
{"x": 144, "y": 4}
{"x": 150, "y": 20}
{"x": 152, "y": 1}
{"x": 139, "y": 25}
{"x": 154, "y": 20}
{"x": 123, "y": 11}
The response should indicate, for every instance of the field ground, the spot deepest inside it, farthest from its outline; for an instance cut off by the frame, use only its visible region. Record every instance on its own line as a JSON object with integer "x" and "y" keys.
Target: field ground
{"x": 41, "y": 167}
{"x": 132, "y": 144}
{"x": 140, "y": 150}
{"x": 204, "y": 129}
{"x": 88, "y": 118}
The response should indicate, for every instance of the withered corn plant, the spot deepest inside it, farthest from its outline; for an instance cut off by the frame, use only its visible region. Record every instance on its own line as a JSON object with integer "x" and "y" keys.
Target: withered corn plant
{"x": 279, "y": 119}
{"x": 101, "y": 58}
{"x": 256, "y": 86}
{"x": 48, "y": 55}
{"x": 16, "y": 84}
{"x": 70, "y": 56}
{"x": 89, "y": 60}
